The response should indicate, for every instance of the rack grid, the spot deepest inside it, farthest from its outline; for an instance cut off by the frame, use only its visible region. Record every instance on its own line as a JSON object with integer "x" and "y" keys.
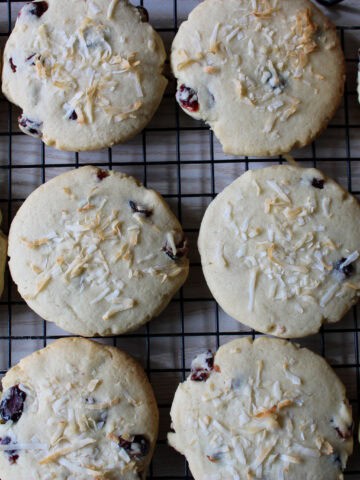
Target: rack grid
{"x": 189, "y": 169}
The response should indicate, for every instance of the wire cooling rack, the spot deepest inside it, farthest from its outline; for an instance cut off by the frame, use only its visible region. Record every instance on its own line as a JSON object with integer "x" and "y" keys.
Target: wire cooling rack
{"x": 180, "y": 158}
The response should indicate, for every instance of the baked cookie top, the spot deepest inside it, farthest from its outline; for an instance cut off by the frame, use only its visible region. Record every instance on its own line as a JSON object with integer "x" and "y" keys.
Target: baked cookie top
{"x": 96, "y": 252}
{"x": 262, "y": 409}
{"x": 3, "y": 253}
{"x": 287, "y": 240}
{"x": 266, "y": 75}
{"x": 87, "y": 74}
{"x": 89, "y": 414}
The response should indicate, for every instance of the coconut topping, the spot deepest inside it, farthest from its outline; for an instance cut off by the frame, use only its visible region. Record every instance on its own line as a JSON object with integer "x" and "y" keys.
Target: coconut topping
{"x": 82, "y": 69}
{"x": 81, "y": 418}
{"x": 293, "y": 255}
{"x": 254, "y": 427}
{"x": 279, "y": 62}
{"x": 92, "y": 241}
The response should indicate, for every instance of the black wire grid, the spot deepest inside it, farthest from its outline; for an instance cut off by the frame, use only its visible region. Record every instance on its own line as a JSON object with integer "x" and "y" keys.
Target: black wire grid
{"x": 167, "y": 464}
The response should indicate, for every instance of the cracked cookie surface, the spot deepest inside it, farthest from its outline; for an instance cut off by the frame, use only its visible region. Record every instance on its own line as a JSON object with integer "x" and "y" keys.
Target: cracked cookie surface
{"x": 258, "y": 411}
{"x": 87, "y": 74}
{"x": 96, "y": 252}
{"x": 90, "y": 413}
{"x": 266, "y": 75}
{"x": 287, "y": 241}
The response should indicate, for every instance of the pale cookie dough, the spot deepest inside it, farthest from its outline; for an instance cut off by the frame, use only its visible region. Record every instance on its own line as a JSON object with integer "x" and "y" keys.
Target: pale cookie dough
{"x": 262, "y": 410}
{"x": 266, "y": 75}
{"x": 89, "y": 414}
{"x": 3, "y": 252}
{"x": 96, "y": 252}
{"x": 87, "y": 74}
{"x": 280, "y": 250}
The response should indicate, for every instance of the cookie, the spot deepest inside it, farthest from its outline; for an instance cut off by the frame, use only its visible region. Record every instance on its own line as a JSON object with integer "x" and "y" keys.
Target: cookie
{"x": 262, "y": 409}
{"x": 266, "y": 75}
{"x": 3, "y": 249}
{"x": 287, "y": 241}
{"x": 91, "y": 413}
{"x": 96, "y": 252}
{"x": 87, "y": 74}
{"x": 358, "y": 79}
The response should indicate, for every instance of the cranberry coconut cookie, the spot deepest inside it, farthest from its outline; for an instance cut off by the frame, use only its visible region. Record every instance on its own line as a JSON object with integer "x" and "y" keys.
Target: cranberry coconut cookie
{"x": 96, "y": 252}
{"x": 266, "y": 75}
{"x": 87, "y": 74}
{"x": 90, "y": 414}
{"x": 3, "y": 249}
{"x": 256, "y": 411}
{"x": 287, "y": 240}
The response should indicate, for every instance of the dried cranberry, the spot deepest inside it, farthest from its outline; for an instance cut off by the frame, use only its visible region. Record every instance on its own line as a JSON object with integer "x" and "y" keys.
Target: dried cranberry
{"x": 347, "y": 270}
{"x": 30, "y": 126}
{"x": 345, "y": 434}
{"x": 12, "y": 405}
{"x": 181, "y": 250}
{"x": 188, "y": 98}
{"x": 11, "y": 453}
{"x": 73, "y": 115}
{"x": 38, "y": 8}
{"x": 137, "y": 447}
{"x": 139, "y": 209}
{"x": 202, "y": 366}
{"x": 101, "y": 174}
{"x": 31, "y": 57}
{"x": 12, "y": 65}
{"x": 318, "y": 183}
{"x": 144, "y": 14}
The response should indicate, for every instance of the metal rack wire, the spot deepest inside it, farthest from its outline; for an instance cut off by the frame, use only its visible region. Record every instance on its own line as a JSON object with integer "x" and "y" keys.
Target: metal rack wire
{"x": 167, "y": 464}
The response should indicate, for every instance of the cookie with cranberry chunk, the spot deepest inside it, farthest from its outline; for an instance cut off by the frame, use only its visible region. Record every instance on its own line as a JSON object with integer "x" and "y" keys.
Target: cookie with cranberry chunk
{"x": 266, "y": 75}
{"x": 87, "y": 74}
{"x": 287, "y": 242}
{"x": 96, "y": 252}
{"x": 91, "y": 413}
{"x": 258, "y": 412}
{"x": 3, "y": 252}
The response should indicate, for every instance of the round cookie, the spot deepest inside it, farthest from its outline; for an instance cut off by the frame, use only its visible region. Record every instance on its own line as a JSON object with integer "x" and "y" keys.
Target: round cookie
{"x": 87, "y": 74}
{"x": 287, "y": 241}
{"x": 3, "y": 249}
{"x": 91, "y": 413}
{"x": 262, "y": 409}
{"x": 266, "y": 75}
{"x": 96, "y": 252}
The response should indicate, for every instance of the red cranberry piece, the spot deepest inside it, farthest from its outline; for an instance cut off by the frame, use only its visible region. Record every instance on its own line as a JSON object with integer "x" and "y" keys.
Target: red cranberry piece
{"x": 139, "y": 209}
{"x": 12, "y": 405}
{"x": 138, "y": 446}
{"x": 38, "y": 8}
{"x": 101, "y": 174}
{"x": 11, "y": 453}
{"x": 181, "y": 250}
{"x": 318, "y": 183}
{"x": 31, "y": 57}
{"x": 30, "y": 126}
{"x": 345, "y": 434}
{"x": 144, "y": 14}
{"x": 347, "y": 270}
{"x": 202, "y": 366}
{"x": 12, "y": 65}
{"x": 188, "y": 98}
{"x": 73, "y": 115}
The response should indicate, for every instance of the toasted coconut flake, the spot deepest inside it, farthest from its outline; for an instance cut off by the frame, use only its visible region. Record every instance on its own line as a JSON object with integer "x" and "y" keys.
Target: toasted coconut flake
{"x": 35, "y": 243}
{"x": 126, "y": 304}
{"x": 53, "y": 457}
